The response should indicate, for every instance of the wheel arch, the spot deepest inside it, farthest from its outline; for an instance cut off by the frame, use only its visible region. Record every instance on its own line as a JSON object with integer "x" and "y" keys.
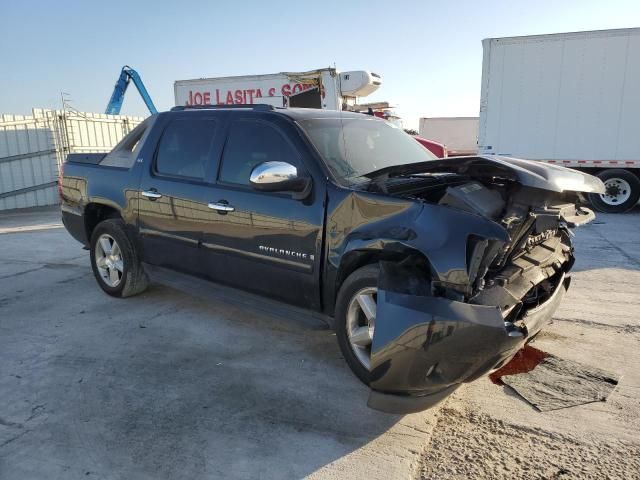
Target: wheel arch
{"x": 94, "y": 213}
{"x": 361, "y": 257}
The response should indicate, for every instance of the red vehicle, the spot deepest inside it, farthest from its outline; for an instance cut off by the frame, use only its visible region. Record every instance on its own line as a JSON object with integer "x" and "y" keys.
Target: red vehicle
{"x": 438, "y": 149}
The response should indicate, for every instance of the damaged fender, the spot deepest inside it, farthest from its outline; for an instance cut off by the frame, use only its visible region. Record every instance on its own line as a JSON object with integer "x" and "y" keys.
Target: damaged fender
{"x": 425, "y": 347}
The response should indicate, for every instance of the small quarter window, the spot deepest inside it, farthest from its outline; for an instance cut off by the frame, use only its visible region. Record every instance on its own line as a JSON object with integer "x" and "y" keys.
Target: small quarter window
{"x": 124, "y": 153}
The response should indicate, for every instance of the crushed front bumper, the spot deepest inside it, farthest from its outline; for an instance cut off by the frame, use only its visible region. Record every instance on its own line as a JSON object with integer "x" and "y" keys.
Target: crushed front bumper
{"x": 425, "y": 347}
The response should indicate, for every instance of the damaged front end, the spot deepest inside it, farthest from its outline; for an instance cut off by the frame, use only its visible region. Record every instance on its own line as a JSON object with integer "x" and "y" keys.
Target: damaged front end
{"x": 498, "y": 255}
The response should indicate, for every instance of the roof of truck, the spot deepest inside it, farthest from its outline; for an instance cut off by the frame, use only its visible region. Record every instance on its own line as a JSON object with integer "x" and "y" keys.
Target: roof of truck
{"x": 295, "y": 113}
{"x": 309, "y": 113}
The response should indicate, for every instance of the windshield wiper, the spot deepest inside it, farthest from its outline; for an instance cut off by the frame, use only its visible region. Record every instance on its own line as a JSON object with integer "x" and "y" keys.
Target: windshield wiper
{"x": 393, "y": 171}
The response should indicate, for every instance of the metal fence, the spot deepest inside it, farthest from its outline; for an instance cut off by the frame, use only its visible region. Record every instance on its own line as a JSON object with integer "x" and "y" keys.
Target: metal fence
{"x": 33, "y": 147}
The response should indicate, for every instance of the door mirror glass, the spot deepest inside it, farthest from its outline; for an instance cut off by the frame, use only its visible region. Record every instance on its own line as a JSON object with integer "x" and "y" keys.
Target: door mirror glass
{"x": 278, "y": 177}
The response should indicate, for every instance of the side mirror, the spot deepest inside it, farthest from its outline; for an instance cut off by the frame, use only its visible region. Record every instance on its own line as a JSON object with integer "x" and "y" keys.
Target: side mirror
{"x": 279, "y": 177}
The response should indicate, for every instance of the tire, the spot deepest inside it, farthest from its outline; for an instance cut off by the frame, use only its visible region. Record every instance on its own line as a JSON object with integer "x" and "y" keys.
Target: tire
{"x": 364, "y": 280}
{"x": 625, "y": 187}
{"x": 130, "y": 275}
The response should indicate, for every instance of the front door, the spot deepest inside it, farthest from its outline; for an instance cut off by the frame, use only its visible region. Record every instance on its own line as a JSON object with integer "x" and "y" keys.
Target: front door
{"x": 175, "y": 190}
{"x": 268, "y": 243}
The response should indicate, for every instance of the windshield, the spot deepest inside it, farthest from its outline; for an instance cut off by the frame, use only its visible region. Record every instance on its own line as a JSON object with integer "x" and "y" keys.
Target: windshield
{"x": 353, "y": 147}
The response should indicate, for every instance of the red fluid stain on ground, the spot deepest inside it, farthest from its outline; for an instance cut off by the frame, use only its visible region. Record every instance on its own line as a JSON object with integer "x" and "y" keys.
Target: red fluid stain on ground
{"x": 524, "y": 361}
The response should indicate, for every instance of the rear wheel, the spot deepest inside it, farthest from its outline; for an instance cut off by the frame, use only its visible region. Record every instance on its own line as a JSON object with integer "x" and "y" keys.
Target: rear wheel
{"x": 114, "y": 260}
{"x": 622, "y": 191}
{"x": 355, "y": 319}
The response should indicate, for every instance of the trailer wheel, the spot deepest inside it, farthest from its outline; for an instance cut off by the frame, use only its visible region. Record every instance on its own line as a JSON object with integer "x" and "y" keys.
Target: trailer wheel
{"x": 622, "y": 191}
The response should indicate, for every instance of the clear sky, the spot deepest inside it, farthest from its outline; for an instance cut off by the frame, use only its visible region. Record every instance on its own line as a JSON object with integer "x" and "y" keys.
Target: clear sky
{"x": 428, "y": 52}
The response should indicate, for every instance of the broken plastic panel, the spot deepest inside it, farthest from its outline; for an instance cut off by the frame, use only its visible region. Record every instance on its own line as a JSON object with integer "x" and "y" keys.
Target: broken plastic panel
{"x": 424, "y": 345}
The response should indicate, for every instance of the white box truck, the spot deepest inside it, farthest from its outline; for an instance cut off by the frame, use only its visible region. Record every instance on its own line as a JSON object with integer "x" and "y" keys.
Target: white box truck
{"x": 458, "y": 134}
{"x": 571, "y": 99}
{"x": 323, "y": 88}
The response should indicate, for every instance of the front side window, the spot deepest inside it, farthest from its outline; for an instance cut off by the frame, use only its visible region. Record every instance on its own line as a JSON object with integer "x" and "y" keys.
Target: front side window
{"x": 250, "y": 143}
{"x": 185, "y": 148}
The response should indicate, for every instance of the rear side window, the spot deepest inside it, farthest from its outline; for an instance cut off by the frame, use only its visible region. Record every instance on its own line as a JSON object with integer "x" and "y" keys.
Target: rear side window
{"x": 185, "y": 148}
{"x": 250, "y": 143}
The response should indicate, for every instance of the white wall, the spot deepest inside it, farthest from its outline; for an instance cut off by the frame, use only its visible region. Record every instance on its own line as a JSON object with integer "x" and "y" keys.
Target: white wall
{"x": 32, "y": 147}
{"x": 458, "y": 134}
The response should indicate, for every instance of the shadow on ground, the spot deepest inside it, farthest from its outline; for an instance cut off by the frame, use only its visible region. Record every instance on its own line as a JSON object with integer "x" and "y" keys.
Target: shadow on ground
{"x": 164, "y": 385}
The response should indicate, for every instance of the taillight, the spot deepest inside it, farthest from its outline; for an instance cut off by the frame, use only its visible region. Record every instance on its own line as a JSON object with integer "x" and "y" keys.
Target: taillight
{"x": 60, "y": 173}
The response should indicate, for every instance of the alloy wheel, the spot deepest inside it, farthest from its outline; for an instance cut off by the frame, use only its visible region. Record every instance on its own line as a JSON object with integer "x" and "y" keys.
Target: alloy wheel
{"x": 109, "y": 262}
{"x": 361, "y": 319}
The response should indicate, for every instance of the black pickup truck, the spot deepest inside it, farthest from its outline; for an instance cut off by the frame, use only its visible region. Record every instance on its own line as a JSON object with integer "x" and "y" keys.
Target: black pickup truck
{"x": 432, "y": 272}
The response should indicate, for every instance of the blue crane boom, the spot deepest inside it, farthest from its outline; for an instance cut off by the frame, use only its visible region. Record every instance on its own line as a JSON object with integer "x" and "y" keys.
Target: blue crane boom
{"x": 126, "y": 75}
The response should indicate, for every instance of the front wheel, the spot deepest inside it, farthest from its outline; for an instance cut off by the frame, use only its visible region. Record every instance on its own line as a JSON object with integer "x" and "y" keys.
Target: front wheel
{"x": 622, "y": 191}
{"x": 114, "y": 260}
{"x": 355, "y": 318}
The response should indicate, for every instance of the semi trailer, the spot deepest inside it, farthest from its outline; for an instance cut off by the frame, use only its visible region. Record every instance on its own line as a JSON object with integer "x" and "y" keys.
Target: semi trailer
{"x": 568, "y": 99}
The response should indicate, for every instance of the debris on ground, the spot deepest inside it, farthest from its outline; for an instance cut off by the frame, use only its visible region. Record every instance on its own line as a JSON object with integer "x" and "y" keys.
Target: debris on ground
{"x": 549, "y": 382}
{"x": 560, "y": 383}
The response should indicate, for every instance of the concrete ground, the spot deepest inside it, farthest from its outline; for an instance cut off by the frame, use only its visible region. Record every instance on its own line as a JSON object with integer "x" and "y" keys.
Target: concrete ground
{"x": 172, "y": 385}
{"x": 488, "y": 431}
{"x": 168, "y": 385}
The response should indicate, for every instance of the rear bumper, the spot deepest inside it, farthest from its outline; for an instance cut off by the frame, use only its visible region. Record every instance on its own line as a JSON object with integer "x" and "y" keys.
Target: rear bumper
{"x": 73, "y": 221}
{"x": 426, "y": 347}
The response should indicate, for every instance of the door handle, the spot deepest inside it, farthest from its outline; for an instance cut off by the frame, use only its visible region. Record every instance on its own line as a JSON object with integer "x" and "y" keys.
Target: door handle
{"x": 151, "y": 194}
{"x": 221, "y": 206}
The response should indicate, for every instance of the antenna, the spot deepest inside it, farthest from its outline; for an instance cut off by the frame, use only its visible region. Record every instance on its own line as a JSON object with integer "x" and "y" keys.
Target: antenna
{"x": 64, "y": 98}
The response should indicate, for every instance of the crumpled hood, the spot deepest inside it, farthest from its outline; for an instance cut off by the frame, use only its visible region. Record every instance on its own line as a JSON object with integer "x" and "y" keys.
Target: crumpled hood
{"x": 528, "y": 173}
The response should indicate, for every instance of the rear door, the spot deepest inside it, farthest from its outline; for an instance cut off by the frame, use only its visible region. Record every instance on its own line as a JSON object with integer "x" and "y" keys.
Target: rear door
{"x": 268, "y": 243}
{"x": 175, "y": 188}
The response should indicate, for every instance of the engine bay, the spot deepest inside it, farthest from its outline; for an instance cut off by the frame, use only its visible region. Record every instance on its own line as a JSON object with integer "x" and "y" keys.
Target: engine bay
{"x": 522, "y": 273}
